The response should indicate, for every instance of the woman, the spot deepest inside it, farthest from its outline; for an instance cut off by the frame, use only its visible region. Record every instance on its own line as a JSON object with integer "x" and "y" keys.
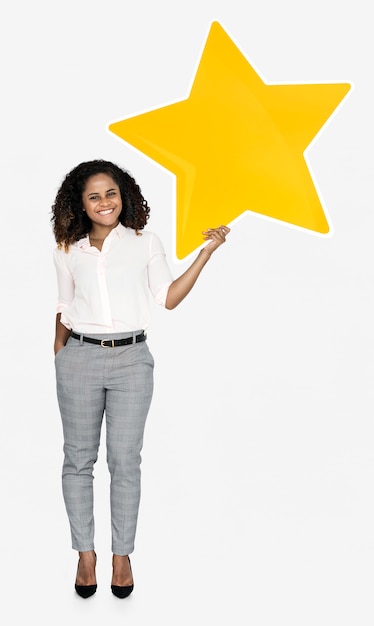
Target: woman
{"x": 106, "y": 265}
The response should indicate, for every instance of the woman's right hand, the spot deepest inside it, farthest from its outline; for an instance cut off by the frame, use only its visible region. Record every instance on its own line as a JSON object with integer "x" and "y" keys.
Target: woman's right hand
{"x": 58, "y": 347}
{"x": 61, "y": 336}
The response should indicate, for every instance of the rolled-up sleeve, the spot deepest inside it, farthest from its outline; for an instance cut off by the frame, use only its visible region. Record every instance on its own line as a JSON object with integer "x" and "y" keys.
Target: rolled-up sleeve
{"x": 65, "y": 281}
{"x": 159, "y": 274}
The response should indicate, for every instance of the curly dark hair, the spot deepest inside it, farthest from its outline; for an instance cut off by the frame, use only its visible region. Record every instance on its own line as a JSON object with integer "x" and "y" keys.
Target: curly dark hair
{"x": 70, "y": 222}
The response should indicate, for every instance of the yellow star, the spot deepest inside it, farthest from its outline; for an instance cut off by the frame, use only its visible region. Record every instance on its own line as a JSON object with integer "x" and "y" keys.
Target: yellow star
{"x": 236, "y": 144}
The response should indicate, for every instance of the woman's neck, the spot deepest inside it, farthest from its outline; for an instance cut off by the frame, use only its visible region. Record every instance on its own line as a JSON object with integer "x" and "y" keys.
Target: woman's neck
{"x": 99, "y": 233}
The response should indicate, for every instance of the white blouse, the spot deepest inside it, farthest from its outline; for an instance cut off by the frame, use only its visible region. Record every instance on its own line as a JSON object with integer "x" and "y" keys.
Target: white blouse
{"x": 108, "y": 291}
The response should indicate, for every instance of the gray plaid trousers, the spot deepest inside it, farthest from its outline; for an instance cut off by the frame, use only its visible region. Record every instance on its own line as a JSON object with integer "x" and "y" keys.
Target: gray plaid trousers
{"x": 93, "y": 381}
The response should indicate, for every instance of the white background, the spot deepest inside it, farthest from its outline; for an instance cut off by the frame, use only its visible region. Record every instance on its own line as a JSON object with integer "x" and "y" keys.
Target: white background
{"x": 257, "y": 504}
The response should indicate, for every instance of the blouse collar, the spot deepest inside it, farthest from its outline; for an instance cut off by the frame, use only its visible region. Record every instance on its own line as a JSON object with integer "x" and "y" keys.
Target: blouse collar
{"x": 119, "y": 231}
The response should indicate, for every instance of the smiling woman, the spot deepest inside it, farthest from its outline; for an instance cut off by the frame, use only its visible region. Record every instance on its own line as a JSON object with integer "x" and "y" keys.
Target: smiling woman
{"x": 106, "y": 267}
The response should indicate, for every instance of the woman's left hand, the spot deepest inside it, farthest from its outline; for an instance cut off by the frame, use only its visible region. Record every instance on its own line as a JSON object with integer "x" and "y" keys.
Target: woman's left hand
{"x": 182, "y": 285}
{"x": 216, "y": 236}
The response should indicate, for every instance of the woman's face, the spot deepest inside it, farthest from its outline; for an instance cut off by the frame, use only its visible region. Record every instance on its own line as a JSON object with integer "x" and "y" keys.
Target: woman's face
{"x": 102, "y": 201}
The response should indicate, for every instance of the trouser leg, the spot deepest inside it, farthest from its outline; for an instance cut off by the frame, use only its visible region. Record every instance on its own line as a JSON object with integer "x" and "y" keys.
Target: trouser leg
{"x": 128, "y": 397}
{"x": 81, "y": 398}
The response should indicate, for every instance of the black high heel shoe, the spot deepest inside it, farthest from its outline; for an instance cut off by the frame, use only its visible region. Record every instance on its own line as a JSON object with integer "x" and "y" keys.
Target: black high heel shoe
{"x": 123, "y": 592}
{"x": 85, "y": 591}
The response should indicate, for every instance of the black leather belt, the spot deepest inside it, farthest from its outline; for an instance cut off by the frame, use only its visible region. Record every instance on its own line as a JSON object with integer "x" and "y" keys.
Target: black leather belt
{"x": 111, "y": 343}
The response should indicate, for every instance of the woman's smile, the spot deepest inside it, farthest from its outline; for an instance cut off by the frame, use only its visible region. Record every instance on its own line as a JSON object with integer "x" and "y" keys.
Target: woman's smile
{"x": 105, "y": 211}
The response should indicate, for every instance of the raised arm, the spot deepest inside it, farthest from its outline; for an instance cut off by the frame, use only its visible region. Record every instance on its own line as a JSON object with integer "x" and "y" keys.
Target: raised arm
{"x": 182, "y": 285}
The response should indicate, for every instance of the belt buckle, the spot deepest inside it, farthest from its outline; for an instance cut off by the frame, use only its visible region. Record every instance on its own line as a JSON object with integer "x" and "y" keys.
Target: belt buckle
{"x": 102, "y": 343}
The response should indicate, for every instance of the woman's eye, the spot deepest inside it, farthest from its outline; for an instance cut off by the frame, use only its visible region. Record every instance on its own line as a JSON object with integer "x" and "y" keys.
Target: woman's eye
{"x": 111, "y": 193}
{"x": 93, "y": 198}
